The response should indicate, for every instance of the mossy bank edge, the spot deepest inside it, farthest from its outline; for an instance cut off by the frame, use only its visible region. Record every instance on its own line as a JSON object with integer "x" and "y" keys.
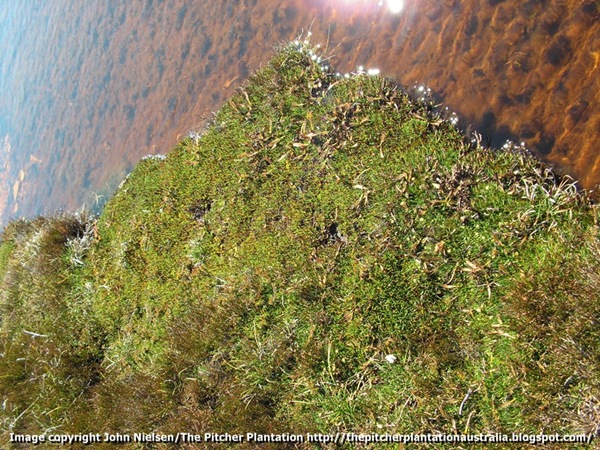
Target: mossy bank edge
{"x": 328, "y": 256}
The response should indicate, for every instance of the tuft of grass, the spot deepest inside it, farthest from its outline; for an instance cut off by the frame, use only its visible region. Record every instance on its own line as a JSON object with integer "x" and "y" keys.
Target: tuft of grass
{"x": 51, "y": 350}
{"x": 329, "y": 255}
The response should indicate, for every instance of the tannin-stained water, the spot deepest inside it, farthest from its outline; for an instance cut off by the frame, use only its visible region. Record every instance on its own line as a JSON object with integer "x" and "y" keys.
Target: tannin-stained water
{"x": 88, "y": 88}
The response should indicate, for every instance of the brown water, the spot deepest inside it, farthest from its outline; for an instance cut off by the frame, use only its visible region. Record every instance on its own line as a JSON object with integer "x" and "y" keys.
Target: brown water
{"x": 88, "y": 88}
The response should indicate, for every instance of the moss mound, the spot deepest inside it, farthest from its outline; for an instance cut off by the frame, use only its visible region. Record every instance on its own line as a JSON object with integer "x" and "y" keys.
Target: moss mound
{"x": 328, "y": 256}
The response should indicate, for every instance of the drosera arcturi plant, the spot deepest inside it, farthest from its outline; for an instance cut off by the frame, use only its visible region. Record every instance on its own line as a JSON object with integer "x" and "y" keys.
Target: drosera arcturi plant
{"x": 327, "y": 256}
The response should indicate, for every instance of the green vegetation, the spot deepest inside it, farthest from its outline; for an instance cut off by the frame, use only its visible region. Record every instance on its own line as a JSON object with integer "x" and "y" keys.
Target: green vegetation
{"x": 328, "y": 256}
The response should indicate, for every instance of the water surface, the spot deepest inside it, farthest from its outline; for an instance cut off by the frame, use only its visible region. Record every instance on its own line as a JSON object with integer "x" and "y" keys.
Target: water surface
{"x": 88, "y": 88}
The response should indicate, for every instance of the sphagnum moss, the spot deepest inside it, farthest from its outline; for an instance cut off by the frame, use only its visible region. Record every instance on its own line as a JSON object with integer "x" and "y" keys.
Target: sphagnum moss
{"x": 328, "y": 256}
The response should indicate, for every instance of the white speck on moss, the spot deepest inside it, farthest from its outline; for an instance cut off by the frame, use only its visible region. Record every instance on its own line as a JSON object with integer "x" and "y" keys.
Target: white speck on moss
{"x": 155, "y": 157}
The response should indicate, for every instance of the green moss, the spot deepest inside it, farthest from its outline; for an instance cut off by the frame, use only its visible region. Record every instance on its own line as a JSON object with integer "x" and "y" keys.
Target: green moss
{"x": 328, "y": 256}
{"x": 5, "y": 251}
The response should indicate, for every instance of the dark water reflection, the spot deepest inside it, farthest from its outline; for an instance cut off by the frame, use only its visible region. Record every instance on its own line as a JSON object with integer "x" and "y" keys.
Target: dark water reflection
{"x": 88, "y": 88}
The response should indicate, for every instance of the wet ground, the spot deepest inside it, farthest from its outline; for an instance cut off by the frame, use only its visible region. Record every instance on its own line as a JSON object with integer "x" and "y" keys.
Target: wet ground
{"x": 88, "y": 88}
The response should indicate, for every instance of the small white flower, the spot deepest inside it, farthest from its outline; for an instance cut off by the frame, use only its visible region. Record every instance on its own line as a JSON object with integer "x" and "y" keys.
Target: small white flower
{"x": 390, "y": 359}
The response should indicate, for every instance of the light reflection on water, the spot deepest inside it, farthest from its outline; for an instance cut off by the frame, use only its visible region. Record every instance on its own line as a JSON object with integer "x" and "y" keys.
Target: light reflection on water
{"x": 87, "y": 89}
{"x": 395, "y": 6}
